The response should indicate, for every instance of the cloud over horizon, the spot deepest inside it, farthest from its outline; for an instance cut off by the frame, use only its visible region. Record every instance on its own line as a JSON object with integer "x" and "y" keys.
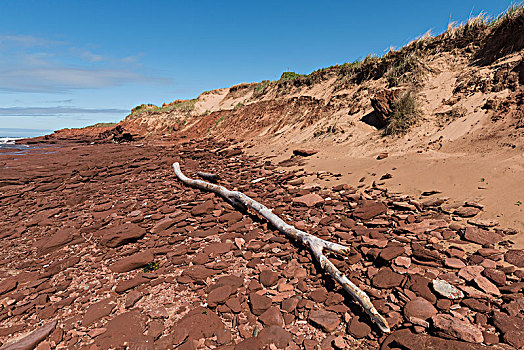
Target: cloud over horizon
{"x": 37, "y": 65}
{"x": 56, "y": 111}
{"x": 65, "y": 79}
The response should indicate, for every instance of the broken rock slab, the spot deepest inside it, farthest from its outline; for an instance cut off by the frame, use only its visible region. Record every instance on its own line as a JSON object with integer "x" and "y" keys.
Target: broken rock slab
{"x": 447, "y": 290}
{"x": 30, "y": 341}
{"x": 326, "y": 320}
{"x": 132, "y": 262}
{"x": 368, "y": 209}
{"x": 515, "y": 257}
{"x": 457, "y": 328}
{"x": 481, "y": 236}
{"x": 404, "y": 339}
{"x": 309, "y": 200}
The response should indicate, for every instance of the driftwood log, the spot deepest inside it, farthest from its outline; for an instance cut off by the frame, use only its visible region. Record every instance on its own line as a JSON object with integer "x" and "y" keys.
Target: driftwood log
{"x": 316, "y": 244}
{"x": 209, "y": 177}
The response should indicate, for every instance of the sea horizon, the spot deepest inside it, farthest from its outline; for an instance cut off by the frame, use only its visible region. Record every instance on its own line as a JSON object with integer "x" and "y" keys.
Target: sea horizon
{"x": 22, "y": 132}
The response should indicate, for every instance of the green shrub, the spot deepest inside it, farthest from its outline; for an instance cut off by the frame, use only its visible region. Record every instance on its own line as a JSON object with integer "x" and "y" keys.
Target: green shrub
{"x": 259, "y": 88}
{"x": 153, "y": 266}
{"x": 144, "y": 108}
{"x": 101, "y": 125}
{"x": 219, "y": 120}
{"x": 290, "y": 76}
{"x": 184, "y": 106}
{"x": 404, "y": 116}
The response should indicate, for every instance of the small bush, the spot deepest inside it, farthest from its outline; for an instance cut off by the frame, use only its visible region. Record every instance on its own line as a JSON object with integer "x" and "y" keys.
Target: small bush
{"x": 184, "y": 106}
{"x": 261, "y": 86}
{"x": 144, "y": 108}
{"x": 101, "y": 125}
{"x": 219, "y": 120}
{"x": 290, "y": 76}
{"x": 404, "y": 116}
{"x": 152, "y": 267}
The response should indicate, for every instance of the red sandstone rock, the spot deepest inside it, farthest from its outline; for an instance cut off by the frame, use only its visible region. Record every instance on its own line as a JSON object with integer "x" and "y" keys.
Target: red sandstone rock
{"x": 268, "y": 278}
{"x": 198, "y": 273}
{"x": 272, "y": 317}
{"x": 407, "y": 340}
{"x": 386, "y": 278}
{"x": 304, "y": 152}
{"x": 30, "y": 341}
{"x": 119, "y": 235}
{"x": 326, "y": 320}
{"x": 275, "y": 335}
{"x": 125, "y": 285}
{"x": 454, "y": 263}
{"x": 512, "y": 327}
{"x": 309, "y": 200}
{"x": 219, "y": 295}
{"x": 56, "y": 241}
{"x": 369, "y": 209}
{"x": 419, "y": 308}
{"x": 127, "y": 327}
{"x": 259, "y": 303}
{"x": 198, "y": 323}
{"x": 515, "y": 257}
{"x": 132, "y": 262}
{"x": 466, "y": 212}
{"x": 7, "y": 285}
{"x": 358, "y": 329}
{"x": 391, "y": 252}
{"x": 98, "y": 310}
{"x": 458, "y": 329}
{"x": 481, "y": 236}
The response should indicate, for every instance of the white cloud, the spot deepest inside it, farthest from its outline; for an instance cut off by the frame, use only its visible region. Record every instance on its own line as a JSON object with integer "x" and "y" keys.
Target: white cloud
{"x": 63, "y": 79}
{"x": 26, "y": 41}
{"x": 32, "y": 64}
{"x": 56, "y": 111}
{"x": 87, "y": 55}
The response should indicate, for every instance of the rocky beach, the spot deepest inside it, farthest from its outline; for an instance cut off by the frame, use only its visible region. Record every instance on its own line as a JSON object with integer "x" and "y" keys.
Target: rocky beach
{"x": 410, "y": 164}
{"x": 101, "y": 247}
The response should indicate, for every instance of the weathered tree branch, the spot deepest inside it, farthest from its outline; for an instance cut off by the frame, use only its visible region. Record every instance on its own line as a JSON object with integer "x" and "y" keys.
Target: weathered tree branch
{"x": 316, "y": 244}
{"x": 207, "y": 176}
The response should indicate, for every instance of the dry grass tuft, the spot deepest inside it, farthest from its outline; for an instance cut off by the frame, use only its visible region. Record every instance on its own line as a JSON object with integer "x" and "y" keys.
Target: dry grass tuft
{"x": 407, "y": 68}
{"x": 405, "y": 114}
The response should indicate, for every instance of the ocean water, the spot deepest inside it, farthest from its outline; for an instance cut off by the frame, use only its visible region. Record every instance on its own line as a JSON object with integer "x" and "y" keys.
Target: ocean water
{"x": 10, "y": 143}
{"x": 8, "y": 137}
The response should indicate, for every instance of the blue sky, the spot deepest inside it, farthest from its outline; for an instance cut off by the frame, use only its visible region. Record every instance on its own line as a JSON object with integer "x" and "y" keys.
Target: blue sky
{"x": 75, "y": 63}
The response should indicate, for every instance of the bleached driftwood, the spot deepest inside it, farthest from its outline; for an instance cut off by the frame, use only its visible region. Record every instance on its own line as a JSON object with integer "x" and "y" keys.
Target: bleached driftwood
{"x": 316, "y": 244}
{"x": 207, "y": 176}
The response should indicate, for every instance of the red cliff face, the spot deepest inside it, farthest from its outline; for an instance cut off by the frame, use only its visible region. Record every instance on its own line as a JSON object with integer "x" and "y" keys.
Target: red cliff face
{"x": 356, "y": 102}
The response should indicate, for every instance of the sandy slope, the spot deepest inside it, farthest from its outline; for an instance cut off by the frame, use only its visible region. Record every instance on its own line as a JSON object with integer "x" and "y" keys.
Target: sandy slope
{"x": 494, "y": 179}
